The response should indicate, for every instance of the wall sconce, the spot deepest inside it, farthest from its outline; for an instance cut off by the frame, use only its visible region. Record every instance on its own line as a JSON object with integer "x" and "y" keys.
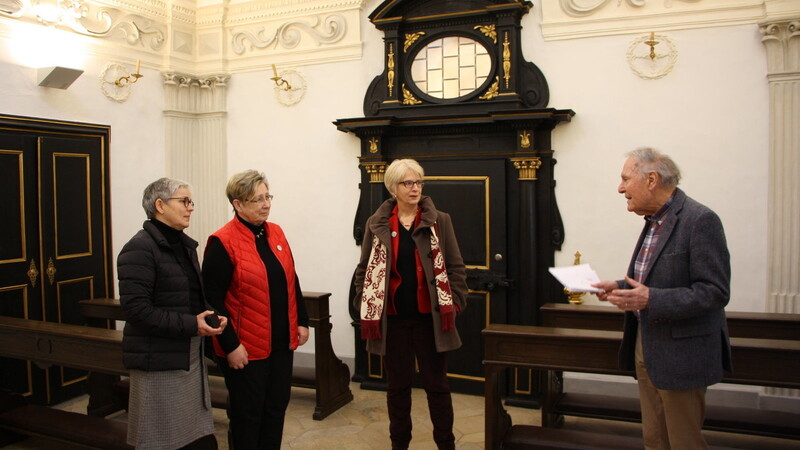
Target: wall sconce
{"x": 645, "y": 62}
{"x": 652, "y": 42}
{"x": 279, "y": 81}
{"x": 116, "y": 81}
{"x": 131, "y": 78}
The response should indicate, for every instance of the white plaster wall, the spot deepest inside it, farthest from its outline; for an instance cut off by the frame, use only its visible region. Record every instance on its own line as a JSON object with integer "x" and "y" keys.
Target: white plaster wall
{"x": 710, "y": 114}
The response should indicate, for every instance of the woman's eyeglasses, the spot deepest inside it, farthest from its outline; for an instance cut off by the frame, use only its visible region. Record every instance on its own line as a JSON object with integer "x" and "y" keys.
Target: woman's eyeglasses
{"x": 185, "y": 200}
{"x": 408, "y": 183}
{"x": 262, "y": 200}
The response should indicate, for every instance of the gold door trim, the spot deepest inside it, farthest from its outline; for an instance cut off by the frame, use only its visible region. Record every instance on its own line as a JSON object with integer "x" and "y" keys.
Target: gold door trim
{"x": 24, "y": 289}
{"x": 486, "y": 190}
{"x": 87, "y": 159}
{"x": 71, "y": 281}
{"x": 24, "y": 255}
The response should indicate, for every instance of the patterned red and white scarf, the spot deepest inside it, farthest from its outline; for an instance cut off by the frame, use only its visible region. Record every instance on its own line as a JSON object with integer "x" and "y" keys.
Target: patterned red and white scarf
{"x": 373, "y": 296}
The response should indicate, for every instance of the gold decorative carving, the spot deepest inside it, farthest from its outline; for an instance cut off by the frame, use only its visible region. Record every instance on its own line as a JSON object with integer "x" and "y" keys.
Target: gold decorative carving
{"x": 408, "y": 97}
{"x": 493, "y": 91}
{"x": 51, "y": 271}
{"x": 390, "y": 66}
{"x": 525, "y": 139}
{"x": 488, "y": 30}
{"x": 527, "y": 167}
{"x": 575, "y": 297}
{"x": 373, "y": 145}
{"x": 411, "y": 38}
{"x": 33, "y": 273}
{"x": 506, "y": 60}
{"x": 376, "y": 170}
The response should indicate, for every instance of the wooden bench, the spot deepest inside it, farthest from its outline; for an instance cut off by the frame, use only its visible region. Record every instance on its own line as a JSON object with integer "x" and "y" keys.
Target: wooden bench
{"x": 765, "y": 362}
{"x": 330, "y": 377}
{"x": 68, "y": 427}
{"x": 741, "y": 326}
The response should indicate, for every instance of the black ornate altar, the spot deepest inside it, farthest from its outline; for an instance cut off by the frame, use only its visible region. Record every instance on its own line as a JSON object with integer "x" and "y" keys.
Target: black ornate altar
{"x": 457, "y": 95}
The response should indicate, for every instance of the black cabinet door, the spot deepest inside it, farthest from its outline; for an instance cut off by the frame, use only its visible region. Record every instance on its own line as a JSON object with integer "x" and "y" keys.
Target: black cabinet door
{"x": 57, "y": 249}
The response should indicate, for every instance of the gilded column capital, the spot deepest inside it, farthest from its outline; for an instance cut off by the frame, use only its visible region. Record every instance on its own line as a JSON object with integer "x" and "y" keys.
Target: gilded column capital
{"x": 376, "y": 170}
{"x": 527, "y": 166}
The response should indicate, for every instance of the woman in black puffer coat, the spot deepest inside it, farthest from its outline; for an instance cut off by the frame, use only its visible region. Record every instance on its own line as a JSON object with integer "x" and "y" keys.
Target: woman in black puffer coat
{"x": 166, "y": 316}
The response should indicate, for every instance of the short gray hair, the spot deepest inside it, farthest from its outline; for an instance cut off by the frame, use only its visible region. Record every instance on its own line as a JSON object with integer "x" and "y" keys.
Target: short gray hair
{"x": 397, "y": 171}
{"x": 651, "y": 160}
{"x": 162, "y": 188}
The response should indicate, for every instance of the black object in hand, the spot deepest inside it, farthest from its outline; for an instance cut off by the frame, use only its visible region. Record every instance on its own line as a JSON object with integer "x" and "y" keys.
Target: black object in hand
{"x": 212, "y": 320}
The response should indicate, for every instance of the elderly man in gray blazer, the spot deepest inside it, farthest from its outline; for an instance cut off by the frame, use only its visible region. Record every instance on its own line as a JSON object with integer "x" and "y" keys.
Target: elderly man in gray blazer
{"x": 674, "y": 295}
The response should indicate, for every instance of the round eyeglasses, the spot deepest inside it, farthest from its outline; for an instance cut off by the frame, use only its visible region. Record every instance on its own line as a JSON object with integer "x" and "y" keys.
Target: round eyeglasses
{"x": 185, "y": 200}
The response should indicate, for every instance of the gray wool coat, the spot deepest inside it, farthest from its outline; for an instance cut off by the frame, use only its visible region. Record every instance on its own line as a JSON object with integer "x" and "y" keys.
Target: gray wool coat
{"x": 684, "y": 330}
{"x": 378, "y": 225}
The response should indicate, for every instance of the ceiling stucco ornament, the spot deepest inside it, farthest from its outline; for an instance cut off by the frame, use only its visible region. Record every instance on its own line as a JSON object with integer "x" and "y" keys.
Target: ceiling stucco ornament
{"x": 289, "y": 35}
{"x": 580, "y": 8}
{"x": 11, "y": 8}
{"x": 653, "y": 65}
{"x": 88, "y": 19}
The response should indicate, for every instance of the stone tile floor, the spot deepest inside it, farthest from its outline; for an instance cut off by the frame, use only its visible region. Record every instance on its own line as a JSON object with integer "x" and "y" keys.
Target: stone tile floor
{"x": 364, "y": 424}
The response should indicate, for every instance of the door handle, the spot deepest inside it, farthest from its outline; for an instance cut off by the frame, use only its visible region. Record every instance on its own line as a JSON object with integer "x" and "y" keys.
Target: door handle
{"x": 33, "y": 272}
{"x": 51, "y": 271}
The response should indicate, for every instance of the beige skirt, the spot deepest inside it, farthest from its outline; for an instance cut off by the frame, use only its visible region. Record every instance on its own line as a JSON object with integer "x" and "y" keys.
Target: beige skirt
{"x": 170, "y": 409}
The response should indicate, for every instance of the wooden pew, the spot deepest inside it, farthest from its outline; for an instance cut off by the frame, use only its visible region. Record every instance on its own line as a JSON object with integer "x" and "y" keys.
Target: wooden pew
{"x": 595, "y": 351}
{"x": 330, "y": 378}
{"x": 740, "y": 324}
{"x": 47, "y": 343}
{"x": 736, "y": 419}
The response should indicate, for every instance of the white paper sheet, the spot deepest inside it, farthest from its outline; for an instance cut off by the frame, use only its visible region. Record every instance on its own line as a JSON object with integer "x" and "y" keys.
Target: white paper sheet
{"x": 576, "y": 278}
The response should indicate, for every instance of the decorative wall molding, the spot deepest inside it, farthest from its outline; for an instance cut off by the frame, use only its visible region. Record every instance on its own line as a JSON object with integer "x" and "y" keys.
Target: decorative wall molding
{"x": 571, "y": 19}
{"x": 182, "y": 37}
{"x": 327, "y": 30}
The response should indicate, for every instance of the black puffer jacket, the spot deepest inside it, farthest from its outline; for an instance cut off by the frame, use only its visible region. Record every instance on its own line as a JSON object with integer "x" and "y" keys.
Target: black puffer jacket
{"x": 155, "y": 296}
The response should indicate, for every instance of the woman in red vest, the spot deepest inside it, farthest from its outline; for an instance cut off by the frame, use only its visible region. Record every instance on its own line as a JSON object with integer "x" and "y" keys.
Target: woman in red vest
{"x": 410, "y": 285}
{"x": 250, "y": 277}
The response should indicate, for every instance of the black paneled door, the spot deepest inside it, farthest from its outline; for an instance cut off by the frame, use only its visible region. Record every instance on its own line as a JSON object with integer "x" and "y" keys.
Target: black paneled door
{"x": 55, "y": 247}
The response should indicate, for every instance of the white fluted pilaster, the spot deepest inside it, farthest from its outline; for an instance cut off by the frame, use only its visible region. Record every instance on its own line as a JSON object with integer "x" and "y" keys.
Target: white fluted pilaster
{"x": 782, "y": 40}
{"x": 196, "y": 147}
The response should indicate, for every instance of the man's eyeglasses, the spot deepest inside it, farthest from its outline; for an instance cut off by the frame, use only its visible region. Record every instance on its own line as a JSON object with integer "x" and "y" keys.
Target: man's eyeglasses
{"x": 185, "y": 200}
{"x": 408, "y": 183}
{"x": 262, "y": 200}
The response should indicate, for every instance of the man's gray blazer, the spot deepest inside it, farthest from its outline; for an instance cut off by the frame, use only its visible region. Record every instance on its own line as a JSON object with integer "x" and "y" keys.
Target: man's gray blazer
{"x": 684, "y": 330}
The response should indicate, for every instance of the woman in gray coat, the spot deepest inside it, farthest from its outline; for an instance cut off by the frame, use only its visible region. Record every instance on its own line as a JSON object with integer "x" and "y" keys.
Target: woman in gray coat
{"x": 166, "y": 316}
{"x": 410, "y": 286}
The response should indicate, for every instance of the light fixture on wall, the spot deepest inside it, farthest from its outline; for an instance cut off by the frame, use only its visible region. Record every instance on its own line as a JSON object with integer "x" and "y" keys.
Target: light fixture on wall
{"x": 279, "y": 81}
{"x": 646, "y": 62}
{"x": 130, "y": 78}
{"x": 116, "y": 81}
{"x": 652, "y": 42}
{"x": 57, "y": 77}
{"x": 290, "y": 86}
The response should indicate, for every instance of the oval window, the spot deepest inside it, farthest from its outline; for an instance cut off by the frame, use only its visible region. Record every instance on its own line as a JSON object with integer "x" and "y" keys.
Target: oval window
{"x": 451, "y": 67}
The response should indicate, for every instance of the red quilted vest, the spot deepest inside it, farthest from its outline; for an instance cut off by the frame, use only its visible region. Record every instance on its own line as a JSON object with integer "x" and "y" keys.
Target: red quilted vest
{"x": 247, "y": 299}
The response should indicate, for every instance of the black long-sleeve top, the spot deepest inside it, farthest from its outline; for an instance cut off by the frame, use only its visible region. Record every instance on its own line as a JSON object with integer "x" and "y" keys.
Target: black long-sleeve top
{"x": 217, "y": 276}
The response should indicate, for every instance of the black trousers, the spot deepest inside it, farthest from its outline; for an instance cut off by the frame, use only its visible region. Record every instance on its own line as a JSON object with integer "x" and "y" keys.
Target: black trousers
{"x": 258, "y": 396}
{"x": 406, "y": 339}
